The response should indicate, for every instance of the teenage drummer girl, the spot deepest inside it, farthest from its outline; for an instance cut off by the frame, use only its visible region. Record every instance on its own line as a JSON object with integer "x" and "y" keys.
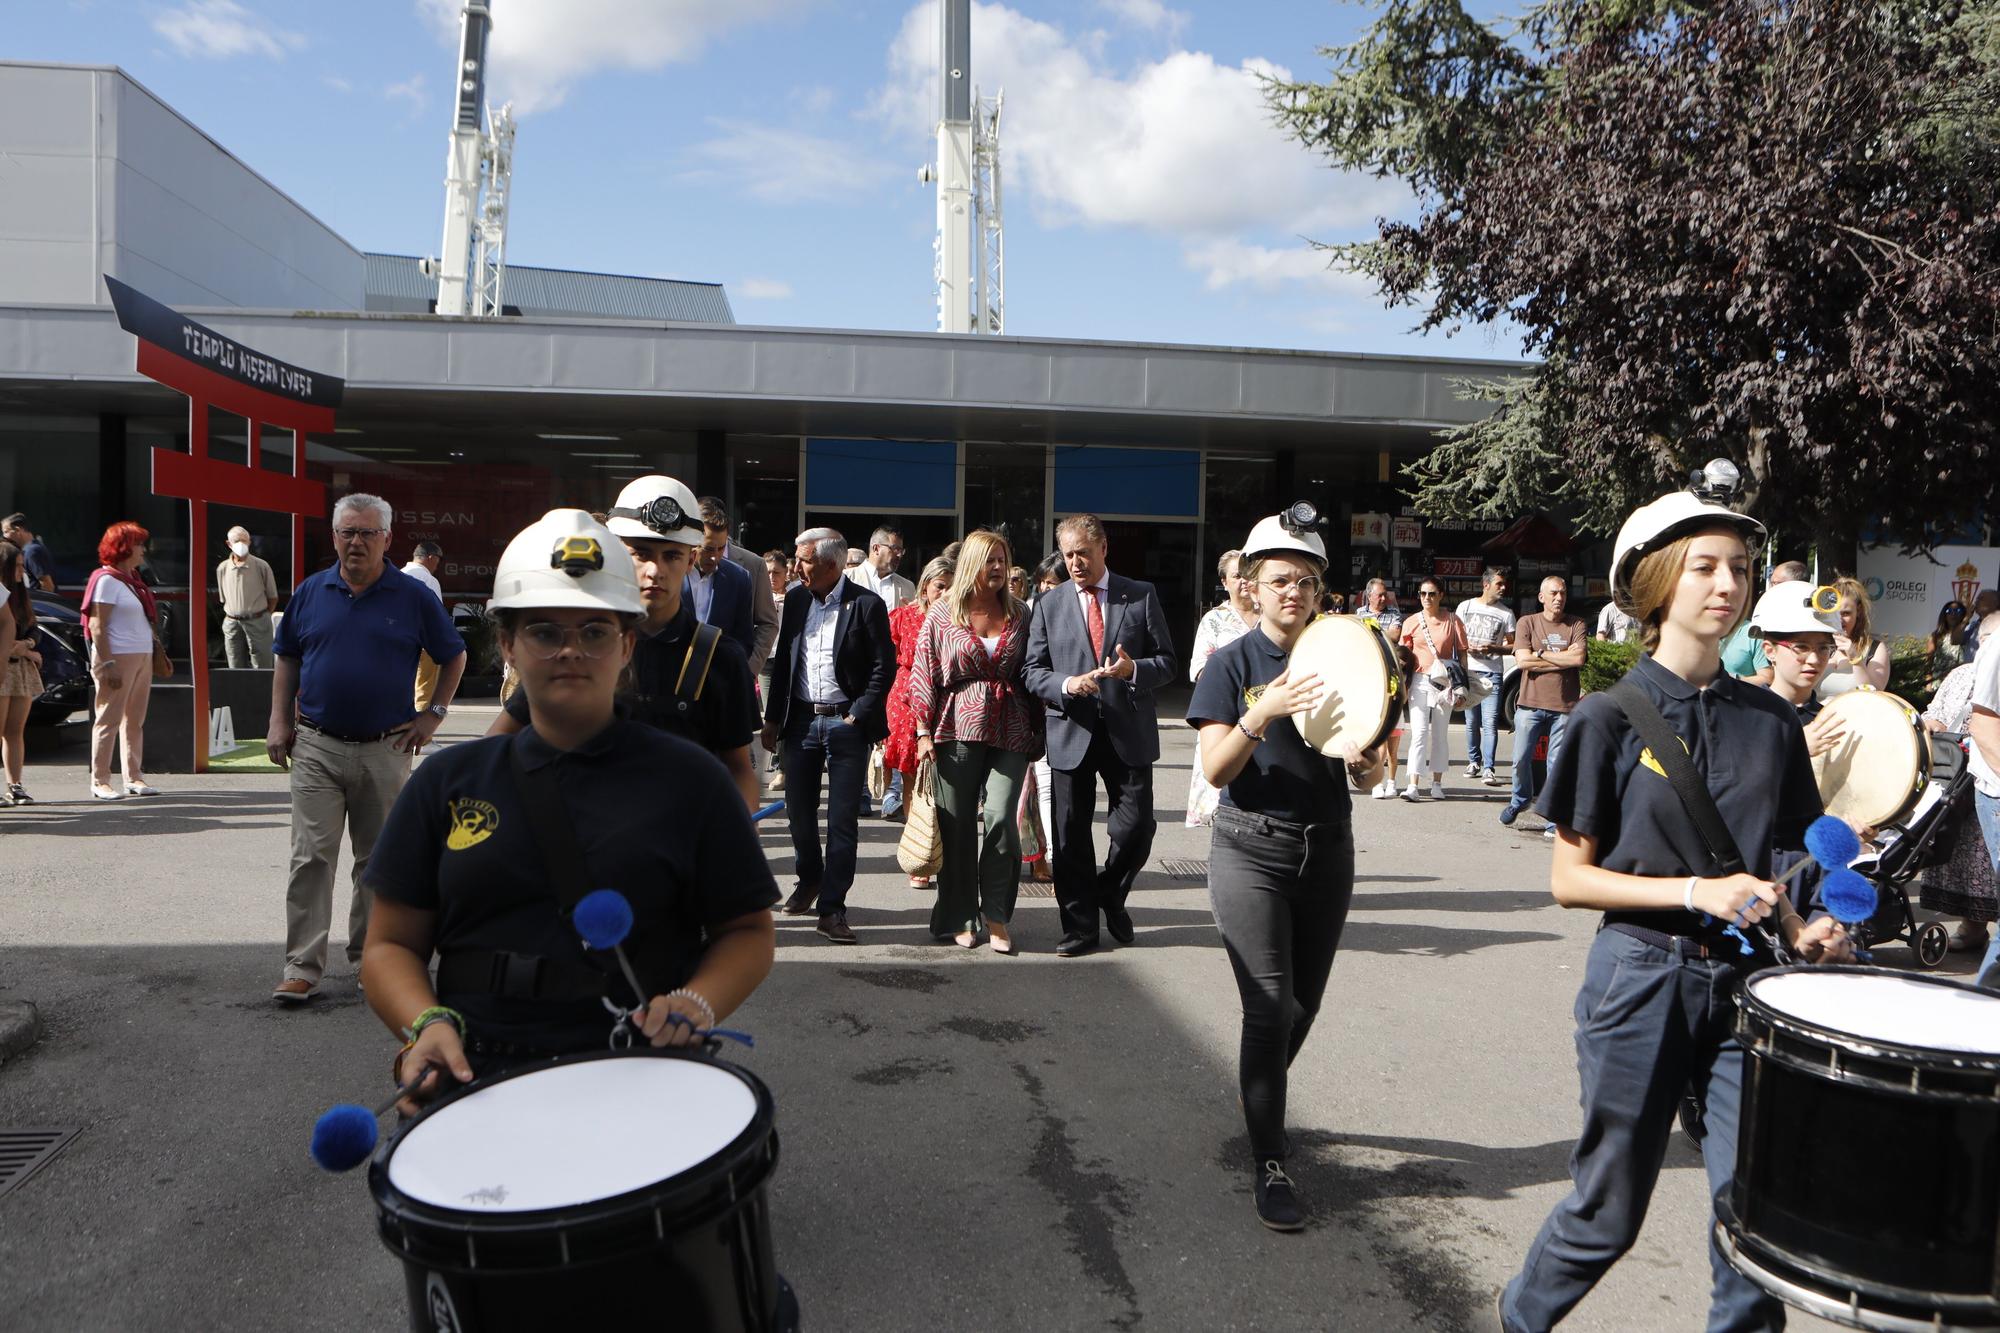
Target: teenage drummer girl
{"x": 1656, "y": 1010}
{"x": 1281, "y": 867}
{"x": 461, "y": 872}
{"x": 1799, "y": 641}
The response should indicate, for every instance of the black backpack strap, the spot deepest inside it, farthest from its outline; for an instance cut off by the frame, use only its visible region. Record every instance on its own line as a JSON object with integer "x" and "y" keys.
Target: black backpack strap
{"x": 1675, "y": 762}
{"x": 687, "y": 686}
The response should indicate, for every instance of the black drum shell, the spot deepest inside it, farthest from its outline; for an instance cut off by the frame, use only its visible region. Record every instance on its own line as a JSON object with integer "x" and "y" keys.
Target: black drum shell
{"x": 692, "y": 1251}
{"x": 1868, "y": 1169}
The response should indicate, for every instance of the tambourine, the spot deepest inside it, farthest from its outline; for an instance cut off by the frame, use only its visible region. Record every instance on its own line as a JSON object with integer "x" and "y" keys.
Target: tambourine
{"x": 1881, "y": 765}
{"x": 1364, "y": 691}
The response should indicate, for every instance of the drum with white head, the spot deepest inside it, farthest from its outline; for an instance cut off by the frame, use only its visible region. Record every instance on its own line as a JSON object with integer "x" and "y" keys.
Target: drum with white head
{"x": 1877, "y": 771}
{"x": 1364, "y": 690}
{"x": 1867, "y": 1185}
{"x": 628, "y": 1184}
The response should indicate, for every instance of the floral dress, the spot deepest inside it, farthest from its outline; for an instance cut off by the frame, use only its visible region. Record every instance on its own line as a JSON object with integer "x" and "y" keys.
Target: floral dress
{"x": 1219, "y": 627}
{"x": 899, "y": 751}
{"x": 1962, "y": 885}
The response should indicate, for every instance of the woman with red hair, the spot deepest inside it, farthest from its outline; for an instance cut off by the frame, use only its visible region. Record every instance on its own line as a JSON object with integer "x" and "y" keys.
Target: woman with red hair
{"x": 118, "y": 618}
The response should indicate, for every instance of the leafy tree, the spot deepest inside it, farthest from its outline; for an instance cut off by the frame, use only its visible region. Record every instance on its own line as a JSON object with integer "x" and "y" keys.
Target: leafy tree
{"x": 1765, "y": 229}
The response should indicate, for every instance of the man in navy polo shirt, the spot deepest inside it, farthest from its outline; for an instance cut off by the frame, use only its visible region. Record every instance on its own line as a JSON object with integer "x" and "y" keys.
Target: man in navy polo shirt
{"x": 343, "y": 722}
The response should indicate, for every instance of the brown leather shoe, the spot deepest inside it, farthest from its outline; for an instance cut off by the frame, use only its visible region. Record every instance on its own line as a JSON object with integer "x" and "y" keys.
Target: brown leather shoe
{"x": 801, "y": 901}
{"x": 294, "y": 990}
{"x": 834, "y": 926}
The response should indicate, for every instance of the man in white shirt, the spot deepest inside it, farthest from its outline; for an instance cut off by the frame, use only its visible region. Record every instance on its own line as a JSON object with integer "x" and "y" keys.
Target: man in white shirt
{"x": 1985, "y": 732}
{"x": 1614, "y": 626}
{"x": 1489, "y": 629}
{"x": 423, "y": 567}
{"x": 878, "y": 573}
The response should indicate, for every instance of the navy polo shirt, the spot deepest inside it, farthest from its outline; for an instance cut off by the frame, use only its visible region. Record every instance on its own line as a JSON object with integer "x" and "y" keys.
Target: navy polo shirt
{"x": 357, "y": 656}
{"x": 1746, "y": 744}
{"x": 724, "y": 717}
{"x": 1285, "y": 778}
{"x": 38, "y": 562}
{"x": 655, "y": 817}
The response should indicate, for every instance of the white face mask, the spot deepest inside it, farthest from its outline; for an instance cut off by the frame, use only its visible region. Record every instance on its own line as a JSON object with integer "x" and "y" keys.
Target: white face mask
{"x": 240, "y": 548}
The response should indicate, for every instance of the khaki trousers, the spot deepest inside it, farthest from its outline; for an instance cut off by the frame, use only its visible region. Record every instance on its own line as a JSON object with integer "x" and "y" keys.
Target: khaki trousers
{"x": 427, "y": 680}
{"x": 247, "y": 643}
{"x": 334, "y": 783}
{"x": 121, "y": 714}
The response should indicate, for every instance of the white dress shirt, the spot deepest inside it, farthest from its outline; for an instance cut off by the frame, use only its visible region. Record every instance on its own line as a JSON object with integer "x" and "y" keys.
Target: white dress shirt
{"x": 416, "y": 570}
{"x": 893, "y": 589}
{"x": 816, "y": 682}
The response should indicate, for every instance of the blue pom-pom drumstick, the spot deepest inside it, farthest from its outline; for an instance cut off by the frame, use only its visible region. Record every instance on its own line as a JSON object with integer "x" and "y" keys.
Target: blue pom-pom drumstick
{"x": 1850, "y": 899}
{"x": 1832, "y": 843}
{"x": 769, "y": 810}
{"x": 604, "y": 918}
{"x": 344, "y": 1135}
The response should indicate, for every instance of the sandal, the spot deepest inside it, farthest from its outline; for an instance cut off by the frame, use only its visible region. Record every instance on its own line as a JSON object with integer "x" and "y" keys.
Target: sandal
{"x": 1964, "y": 941}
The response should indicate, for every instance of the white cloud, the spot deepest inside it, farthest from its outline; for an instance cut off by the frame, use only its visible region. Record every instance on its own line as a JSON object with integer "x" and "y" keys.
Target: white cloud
{"x": 1228, "y": 261}
{"x": 762, "y": 289}
{"x": 1182, "y": 145}
{"x": 1149, "y": 15}
{"x": 540, "y": 49}
{"x": 335, "y": 82}
{"x": 410, "y": 90}
{"x": 781, "y": 165}
{"x": 221, "y": 30}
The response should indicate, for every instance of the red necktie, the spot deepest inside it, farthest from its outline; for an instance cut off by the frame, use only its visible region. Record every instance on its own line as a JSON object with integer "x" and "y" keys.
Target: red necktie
{"x": 1094, "y": 620}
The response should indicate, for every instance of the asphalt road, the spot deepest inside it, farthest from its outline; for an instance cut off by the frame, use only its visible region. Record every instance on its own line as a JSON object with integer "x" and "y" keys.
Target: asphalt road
{"x": 968, "y": 1141}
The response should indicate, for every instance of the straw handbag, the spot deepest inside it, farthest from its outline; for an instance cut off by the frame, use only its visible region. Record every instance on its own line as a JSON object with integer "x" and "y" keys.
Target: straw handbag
{"x": 921, "y": 851}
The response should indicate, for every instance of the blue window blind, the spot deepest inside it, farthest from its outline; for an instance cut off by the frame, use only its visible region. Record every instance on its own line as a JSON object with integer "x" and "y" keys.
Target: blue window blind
{"x": 881, "y": 474}
{"x": 1158, "y": 483}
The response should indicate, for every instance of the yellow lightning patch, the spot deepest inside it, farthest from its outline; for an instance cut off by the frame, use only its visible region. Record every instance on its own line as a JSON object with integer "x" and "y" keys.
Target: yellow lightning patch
{"x": 1646, "y": 757}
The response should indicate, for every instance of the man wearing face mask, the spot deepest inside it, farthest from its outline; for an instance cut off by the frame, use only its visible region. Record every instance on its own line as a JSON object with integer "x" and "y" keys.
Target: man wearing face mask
{"x": 249, "y": 592}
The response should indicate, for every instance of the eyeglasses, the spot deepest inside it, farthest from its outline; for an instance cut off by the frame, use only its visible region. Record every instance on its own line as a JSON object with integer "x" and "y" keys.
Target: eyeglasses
{"x": 360, "y": 534}
{"x": 1805, "y": 650}
{"x": 1305, "y": 587}
{"x": 595, "y": 640}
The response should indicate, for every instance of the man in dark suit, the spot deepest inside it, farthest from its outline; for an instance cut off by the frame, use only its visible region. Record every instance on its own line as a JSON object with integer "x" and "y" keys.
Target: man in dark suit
{"x": 719, "y": 589}
{"x": 829, "y": 698}
{"x": 1097, "y": 649}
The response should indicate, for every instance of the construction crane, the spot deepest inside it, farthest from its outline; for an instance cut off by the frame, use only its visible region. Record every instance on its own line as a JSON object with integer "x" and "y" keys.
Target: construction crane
{"x": 967, "y": 255}
{"x": 471, "y": 269}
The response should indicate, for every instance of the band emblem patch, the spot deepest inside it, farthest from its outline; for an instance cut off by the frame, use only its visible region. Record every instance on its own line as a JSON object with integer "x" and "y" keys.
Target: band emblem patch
{"x": 472, "y": 822}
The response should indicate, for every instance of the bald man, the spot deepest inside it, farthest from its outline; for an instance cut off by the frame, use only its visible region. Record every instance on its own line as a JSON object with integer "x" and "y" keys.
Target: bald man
{"x": 249, "y": 593}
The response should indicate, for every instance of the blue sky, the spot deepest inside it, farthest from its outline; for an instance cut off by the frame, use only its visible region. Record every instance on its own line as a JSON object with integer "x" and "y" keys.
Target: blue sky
{"x": 773, "y": 145}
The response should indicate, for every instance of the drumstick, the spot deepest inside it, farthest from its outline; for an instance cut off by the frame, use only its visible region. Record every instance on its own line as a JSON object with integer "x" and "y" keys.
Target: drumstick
{"x": 345, "y": 1135}
{"x": 604, "y": 919}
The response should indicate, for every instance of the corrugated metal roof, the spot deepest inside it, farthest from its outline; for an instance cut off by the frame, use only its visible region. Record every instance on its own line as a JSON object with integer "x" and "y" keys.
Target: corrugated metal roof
{"x": 395, "y": 284}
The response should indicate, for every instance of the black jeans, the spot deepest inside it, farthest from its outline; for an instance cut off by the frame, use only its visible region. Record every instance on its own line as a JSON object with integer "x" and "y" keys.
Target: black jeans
{"x": 1081, "y": 889}
{"x": 812, "y": 746}
{"x": 1281, "y": 893}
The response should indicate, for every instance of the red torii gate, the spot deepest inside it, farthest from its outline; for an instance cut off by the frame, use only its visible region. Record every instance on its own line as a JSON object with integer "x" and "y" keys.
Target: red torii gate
{"x": 217, "y": 371}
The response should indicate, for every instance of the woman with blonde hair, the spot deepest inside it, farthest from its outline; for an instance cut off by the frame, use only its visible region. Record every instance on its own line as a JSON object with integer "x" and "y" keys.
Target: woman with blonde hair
{"x": 1656, "y": 1012}
{"x": 1859, "y": 658}
{"x": 977, "y": 721}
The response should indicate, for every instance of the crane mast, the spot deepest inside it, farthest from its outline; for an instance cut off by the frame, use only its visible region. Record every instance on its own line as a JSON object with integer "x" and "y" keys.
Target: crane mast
{"x": 471, "y": 266}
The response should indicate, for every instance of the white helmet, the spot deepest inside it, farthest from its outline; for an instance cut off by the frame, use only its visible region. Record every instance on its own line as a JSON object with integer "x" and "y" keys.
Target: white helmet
{"x": 1796, "y": 608}
{"x": 566, "y": 558}
{"x": 657, "y": 509}
{"x": 1672, "y": 516}
{"x": 1273, "y": 536}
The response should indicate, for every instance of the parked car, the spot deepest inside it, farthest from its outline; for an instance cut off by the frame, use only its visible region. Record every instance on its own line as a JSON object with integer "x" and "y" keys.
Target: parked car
{"x": 66, "y": 683}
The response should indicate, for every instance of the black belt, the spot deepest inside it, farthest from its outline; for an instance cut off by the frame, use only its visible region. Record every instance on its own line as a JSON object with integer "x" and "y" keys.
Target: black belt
{"x": 823, "y": 710}
{"x": 518, "y": 976}
{"x": 1681, "y": 946}
{"x": 342, "y": 736}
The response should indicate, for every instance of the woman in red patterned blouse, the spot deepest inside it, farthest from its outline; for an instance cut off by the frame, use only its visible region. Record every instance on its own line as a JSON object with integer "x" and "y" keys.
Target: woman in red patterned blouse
{"x": 906, "y": 622}
{"x": 976, "y": 719}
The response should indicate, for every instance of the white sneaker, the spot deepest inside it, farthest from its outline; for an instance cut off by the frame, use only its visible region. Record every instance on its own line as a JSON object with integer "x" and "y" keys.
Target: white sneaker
{"x": 1410, "y": 792}
{"x": 1384, "y": 790}
{"x": 1472, "y": 772}
{"x": 1549, "y": 832}
{"x": 1437, "y": 791}
{"x": 1491, "y": 778}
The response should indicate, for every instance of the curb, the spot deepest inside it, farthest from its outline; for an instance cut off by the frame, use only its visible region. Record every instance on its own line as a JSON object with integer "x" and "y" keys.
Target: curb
{"x": 20, "y": 1027}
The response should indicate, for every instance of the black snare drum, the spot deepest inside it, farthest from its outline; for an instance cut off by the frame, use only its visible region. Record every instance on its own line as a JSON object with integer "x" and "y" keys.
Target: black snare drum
{"x": 1867, "y": 1185}
{"x": 611, "y": 1190}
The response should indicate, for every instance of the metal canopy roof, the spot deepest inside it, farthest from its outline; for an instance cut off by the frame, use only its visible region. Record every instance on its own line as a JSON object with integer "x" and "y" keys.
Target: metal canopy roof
{"x": 397, "y": 285}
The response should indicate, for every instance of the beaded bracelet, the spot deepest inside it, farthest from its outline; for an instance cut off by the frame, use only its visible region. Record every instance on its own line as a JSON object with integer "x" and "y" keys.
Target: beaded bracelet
{"x": 437, "y": 1013}
{"x": 685, "y": 994}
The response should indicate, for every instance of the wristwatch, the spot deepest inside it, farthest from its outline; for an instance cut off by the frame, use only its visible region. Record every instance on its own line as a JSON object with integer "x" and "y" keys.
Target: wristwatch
{"x": 439, "y": 711}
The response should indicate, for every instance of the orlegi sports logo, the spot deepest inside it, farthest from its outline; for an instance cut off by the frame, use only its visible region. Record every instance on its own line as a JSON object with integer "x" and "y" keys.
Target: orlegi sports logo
{"x": 472, "y": 822}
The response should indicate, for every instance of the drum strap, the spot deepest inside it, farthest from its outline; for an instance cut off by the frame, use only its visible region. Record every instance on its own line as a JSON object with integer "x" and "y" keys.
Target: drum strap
{"x": 1657, "y": 736}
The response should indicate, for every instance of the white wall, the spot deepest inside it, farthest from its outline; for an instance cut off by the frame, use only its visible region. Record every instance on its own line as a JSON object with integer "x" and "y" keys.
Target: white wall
{"x": 99, "y": 176}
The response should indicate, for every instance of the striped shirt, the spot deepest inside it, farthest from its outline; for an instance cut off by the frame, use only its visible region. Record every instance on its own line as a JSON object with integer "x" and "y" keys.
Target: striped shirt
{"x": 960, "y": 693}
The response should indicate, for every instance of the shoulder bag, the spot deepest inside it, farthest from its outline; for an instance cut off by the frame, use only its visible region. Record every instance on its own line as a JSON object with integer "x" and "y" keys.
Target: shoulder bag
{"x": 920, "y": 852}
{"x": 1455, "y": 685}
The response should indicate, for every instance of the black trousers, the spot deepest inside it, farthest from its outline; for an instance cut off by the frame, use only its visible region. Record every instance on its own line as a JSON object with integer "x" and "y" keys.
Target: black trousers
{"x": 1082, "y": 890}
{"x": 1281, "y": 893}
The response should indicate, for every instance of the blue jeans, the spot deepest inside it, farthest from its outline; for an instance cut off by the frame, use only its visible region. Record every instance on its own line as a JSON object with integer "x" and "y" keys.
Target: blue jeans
{"x": 1648, "y": 1023}
{"x": 814, "y": 745}
{"x": 1989, "y": 825}
{"x": 1482, "y": 724}
{"x": 894, "y": 800}
{"x": 1530, "y": 725}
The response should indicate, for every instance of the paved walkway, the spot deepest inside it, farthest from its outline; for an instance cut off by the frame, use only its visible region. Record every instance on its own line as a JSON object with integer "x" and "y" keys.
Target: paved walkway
{"x": 968, "y": 1141}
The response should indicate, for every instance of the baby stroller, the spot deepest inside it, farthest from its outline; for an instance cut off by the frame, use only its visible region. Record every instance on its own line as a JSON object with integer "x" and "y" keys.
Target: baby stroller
{"x": 1902, "y": 850}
